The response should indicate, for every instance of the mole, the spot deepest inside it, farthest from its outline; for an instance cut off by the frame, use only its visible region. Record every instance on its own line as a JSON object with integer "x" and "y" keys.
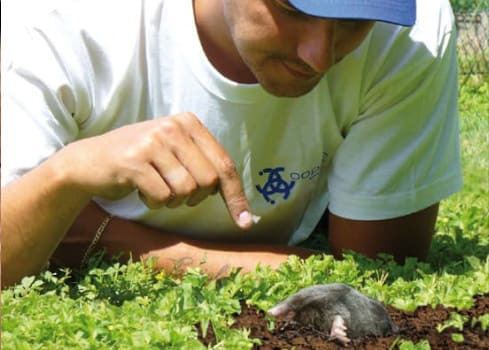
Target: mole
{"x": 337, "y": 309}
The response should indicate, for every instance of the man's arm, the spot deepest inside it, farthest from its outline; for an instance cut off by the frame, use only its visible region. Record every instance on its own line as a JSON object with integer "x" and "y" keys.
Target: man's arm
{"x": 36, "y": 210}
{"x": 402, "y": 237}
{"x": 172, "y": 252}
{"x": 169, "y": 161}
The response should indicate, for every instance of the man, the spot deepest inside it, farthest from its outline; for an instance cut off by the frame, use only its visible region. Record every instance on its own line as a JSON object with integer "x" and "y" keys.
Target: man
{"x": 121, "y": 120}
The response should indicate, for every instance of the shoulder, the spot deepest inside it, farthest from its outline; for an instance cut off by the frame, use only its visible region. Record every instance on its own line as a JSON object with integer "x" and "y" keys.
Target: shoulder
{"x": 407, "y": 57}
{"x": 105, "y": 16}
{"x": 394, "y": 55}
{"x": 435, "y": 25}
{"x": 106, "y": 32}
{"x": 427, "y": 39}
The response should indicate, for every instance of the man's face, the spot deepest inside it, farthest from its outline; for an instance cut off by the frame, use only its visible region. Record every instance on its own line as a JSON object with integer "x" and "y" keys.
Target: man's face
{"x": 289, "y": 52}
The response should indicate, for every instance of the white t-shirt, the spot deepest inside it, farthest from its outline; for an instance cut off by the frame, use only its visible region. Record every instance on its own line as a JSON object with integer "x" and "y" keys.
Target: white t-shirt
{"x": 377, "y": 138}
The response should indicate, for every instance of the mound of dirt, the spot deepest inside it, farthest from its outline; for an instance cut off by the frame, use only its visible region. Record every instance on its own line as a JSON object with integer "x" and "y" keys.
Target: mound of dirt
{"x": 414, "y": 326}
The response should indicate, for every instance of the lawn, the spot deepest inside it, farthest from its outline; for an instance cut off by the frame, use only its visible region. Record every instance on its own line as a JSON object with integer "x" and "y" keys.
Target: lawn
{"x": 113, "y": 306}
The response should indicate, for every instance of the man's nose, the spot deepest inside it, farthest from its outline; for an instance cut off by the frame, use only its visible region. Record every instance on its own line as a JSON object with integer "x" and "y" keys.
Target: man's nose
{"x": 316, "y": 46}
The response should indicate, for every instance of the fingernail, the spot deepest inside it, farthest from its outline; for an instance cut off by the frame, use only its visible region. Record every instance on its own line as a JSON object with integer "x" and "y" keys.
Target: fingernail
{"x": 245, "y": 219}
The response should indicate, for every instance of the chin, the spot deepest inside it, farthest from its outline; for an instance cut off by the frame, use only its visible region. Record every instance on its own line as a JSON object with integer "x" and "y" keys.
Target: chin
{"x": 288, "y": 89}
{"x": 281, "y": 84}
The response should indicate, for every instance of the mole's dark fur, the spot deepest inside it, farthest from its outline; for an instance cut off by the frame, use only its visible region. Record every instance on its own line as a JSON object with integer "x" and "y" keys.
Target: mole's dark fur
{"x": 318, "y": 305}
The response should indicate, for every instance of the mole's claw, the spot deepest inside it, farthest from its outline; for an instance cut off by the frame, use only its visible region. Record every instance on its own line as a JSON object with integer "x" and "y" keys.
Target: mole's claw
{"x": 343, "y": 339}
{"x": 338, "y": 330}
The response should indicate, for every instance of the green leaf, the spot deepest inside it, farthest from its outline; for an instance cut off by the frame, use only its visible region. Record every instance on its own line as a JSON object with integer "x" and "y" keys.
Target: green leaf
{"x": 457, "y": 337}
{"x": 483, "y": 320}
{"x": 456, "y": 320}
{"x": 409, "y": 345}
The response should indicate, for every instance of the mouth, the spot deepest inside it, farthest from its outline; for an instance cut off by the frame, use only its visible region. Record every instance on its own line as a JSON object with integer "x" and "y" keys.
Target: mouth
{"x": 300, "y": 73}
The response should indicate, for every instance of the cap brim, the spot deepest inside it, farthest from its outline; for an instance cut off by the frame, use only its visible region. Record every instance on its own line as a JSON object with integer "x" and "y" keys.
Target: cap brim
{"x": 392, "y": 11}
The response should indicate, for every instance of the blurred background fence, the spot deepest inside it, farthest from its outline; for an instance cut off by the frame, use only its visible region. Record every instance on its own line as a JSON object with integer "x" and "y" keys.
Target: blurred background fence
{"x": 472, "y": 18}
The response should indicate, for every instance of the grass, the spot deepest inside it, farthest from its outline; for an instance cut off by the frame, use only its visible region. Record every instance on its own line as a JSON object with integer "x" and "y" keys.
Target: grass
{"x": 114, "y": 306}
{"x": 463, "y": 222}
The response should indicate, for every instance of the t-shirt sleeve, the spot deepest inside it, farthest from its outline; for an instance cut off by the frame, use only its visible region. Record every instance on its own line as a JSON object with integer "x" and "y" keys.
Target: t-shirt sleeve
{"x": 64, "y": 77}
{"x": 402, "y": 152}
{"x": 38, "y": 96}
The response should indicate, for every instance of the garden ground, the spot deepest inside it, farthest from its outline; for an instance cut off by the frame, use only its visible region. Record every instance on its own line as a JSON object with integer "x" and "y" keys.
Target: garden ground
{"x": 416, "y": 327}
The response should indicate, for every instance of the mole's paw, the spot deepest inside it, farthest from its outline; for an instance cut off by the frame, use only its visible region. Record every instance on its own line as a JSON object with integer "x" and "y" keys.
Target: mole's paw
{"x": 338, "y": 330}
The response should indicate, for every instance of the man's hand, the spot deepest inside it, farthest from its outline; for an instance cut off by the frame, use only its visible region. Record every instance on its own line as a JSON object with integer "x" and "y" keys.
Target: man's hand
{"x": 171, "y": 161}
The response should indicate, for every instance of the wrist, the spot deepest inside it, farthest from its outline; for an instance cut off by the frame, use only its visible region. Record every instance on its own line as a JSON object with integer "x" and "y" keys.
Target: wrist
{"x": 62, "y": 168}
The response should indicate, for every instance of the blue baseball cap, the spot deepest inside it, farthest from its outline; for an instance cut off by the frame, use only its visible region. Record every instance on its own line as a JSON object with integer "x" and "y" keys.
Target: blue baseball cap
{"x": 401, "y": 12}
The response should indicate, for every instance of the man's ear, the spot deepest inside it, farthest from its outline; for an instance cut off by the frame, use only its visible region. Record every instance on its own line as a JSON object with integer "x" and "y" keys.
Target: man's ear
{"x": 282, "y": 310}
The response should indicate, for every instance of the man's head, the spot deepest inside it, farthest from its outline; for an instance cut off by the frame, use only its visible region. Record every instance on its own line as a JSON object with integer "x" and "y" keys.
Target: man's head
{"x": 288, "y": 45}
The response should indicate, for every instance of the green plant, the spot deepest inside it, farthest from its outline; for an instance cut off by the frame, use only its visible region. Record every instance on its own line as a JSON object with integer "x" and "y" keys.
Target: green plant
{"x": 408, "y": 345}
{"x": 465, "y": 5}
{"x": 456, "y": 321}
{"x": 130, "y": 306}
{"x": 483, "y": 320}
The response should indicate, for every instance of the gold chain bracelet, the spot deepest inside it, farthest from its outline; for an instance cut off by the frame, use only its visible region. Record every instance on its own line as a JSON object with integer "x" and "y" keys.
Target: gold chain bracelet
{"x": 96, "y": 238}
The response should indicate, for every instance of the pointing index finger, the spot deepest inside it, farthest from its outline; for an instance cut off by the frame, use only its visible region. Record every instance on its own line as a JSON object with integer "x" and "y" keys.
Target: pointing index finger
{"x": 232, "y": 192}
{"x": 230, "y": 186}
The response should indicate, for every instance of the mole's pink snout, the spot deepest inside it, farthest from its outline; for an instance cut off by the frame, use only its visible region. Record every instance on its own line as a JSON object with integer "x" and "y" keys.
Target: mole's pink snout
{"x": 282, "y": 310}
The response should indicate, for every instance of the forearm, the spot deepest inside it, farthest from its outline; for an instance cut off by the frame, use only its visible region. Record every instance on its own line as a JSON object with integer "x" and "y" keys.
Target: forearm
{"x": 37, "y": 209}
{"x": 217, "y": 259}
{"x": 401, "y": 237}
{"x": 172, "y": 252}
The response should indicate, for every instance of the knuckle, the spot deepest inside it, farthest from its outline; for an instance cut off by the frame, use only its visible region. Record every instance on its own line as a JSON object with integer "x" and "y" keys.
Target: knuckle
{"x": 123, "y": 180}
{"x": 116, "y": 193}
{"x": 147, "y": 201}
{"x": 161, "y": 197}
{"x": 189, "y": 118}
{"x": 228, "y": 169}
{"x": 209, "y": 180}
{"x": 150, "y": 204}
{"x": 181, "y": 182}
{"x": 138, "y": 153}
{"x": 175, "y": 202}
{"x": 196, "y": 198}
{"x": 126, "y": 181}
{"x": 131, "y": 155}
{"x": 157, "y": 199}
{"x": 169, "y": 127}
{"x": 188, "y": 187}
{"x": 190, "y": 122}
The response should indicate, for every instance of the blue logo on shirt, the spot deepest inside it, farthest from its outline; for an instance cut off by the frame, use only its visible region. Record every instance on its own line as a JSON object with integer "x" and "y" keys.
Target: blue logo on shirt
{"x": 275, "y": 184}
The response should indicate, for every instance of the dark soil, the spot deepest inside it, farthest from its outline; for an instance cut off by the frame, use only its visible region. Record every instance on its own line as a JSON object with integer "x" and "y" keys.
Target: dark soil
{"x": 414, "y": 326}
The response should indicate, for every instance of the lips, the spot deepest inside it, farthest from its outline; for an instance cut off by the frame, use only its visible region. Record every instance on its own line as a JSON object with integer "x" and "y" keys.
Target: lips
{"x": 298, "y": 72}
